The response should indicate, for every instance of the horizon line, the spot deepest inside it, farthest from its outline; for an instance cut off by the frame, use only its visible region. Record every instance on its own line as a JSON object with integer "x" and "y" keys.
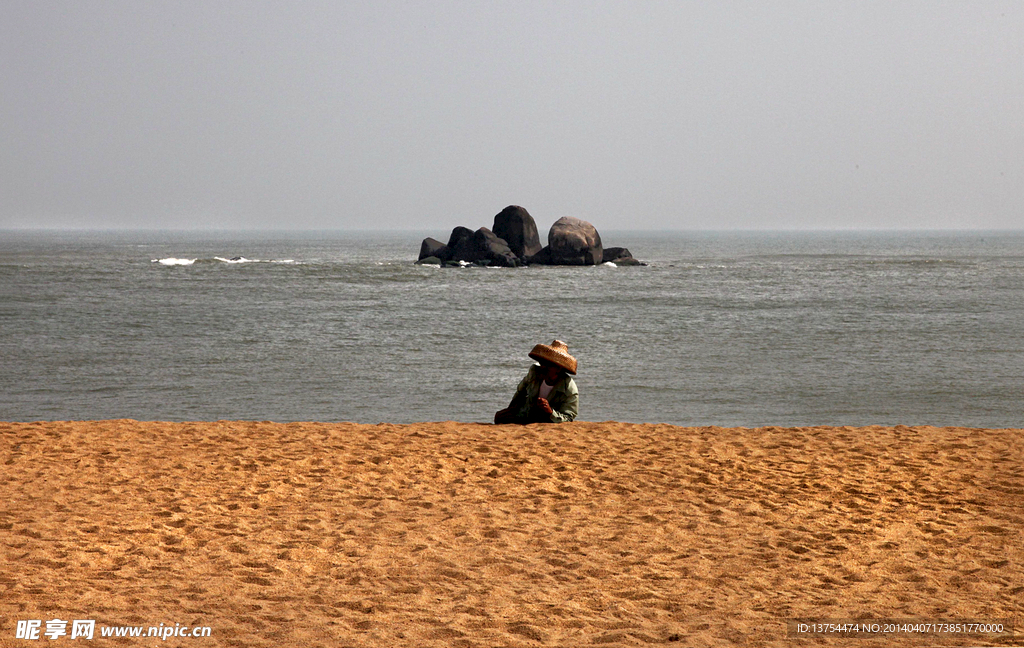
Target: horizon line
{"x": 427, "y": 228}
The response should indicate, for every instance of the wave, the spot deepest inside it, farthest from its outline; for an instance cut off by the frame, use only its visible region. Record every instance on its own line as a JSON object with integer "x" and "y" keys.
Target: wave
{"x": 175, "y": 261}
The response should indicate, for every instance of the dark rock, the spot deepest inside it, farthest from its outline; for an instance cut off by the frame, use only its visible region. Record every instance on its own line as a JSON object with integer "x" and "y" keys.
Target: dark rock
{"x": 541, "y": 258}
{"x": 459, "y": 234}
{"x": 431, "y": 260}
{"x": 431, "y": 248}
{"x": 612, "y": 253}
{"x": 628, "y": 261}
{"x": 483, "y": 246}
{"x": 620, "y": 256}
{"x": 463, "y": 248}
{"x": 573, "y": 241}
{"x": 515, "y": 225}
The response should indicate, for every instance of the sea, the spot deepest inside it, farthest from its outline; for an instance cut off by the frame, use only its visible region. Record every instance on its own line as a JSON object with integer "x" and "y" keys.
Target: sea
{"x": 718, "y": 328}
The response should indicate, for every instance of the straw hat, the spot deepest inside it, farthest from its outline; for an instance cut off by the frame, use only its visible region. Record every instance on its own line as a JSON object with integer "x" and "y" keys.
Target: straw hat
{"x": 557, "y": 353}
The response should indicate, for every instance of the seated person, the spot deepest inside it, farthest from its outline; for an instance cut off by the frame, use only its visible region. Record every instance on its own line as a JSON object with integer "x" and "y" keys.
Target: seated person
{"x": 547, "y": 394}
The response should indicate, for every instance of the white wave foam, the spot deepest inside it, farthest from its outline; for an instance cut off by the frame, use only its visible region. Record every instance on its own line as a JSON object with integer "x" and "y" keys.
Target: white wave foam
{"x": 172, "y": 261}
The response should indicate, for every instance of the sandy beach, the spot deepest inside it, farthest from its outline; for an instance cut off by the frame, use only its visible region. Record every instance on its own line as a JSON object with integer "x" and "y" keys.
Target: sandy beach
{"x": 458, "y": 534}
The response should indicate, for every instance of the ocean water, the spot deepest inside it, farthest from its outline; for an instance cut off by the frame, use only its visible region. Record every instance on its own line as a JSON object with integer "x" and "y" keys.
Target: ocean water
{"x": 744, "y": 329}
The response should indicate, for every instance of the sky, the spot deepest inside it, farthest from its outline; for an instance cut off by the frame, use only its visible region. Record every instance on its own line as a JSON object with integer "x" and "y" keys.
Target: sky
{"x": 631, "y": 114}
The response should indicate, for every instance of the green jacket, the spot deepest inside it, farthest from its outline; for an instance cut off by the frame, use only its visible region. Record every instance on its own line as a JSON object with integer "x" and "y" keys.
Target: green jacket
{"x": 564, "y": 399}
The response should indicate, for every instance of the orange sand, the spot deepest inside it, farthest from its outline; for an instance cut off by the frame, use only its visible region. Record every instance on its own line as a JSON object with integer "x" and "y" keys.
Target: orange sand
{"x": 453, "y": 534}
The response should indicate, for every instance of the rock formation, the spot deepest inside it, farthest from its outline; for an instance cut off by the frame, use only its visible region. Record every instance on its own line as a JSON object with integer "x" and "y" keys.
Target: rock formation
{"x": 517, "y": 227}
{"x": 514, "y": 241}
{"x": 572, "y": 241}
{"x": 619, "y": 256}
{"x": 482, "y": 246}
{"x": 431, "y": 248}
{"x": 459, "y": 234}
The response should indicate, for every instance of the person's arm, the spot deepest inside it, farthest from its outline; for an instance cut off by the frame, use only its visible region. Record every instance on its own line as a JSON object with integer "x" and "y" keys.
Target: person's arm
{"x": 567, "y": 408}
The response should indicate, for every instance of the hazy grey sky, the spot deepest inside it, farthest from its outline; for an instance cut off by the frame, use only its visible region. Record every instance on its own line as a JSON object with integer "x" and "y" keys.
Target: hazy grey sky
{"x": 632, "y": 114}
